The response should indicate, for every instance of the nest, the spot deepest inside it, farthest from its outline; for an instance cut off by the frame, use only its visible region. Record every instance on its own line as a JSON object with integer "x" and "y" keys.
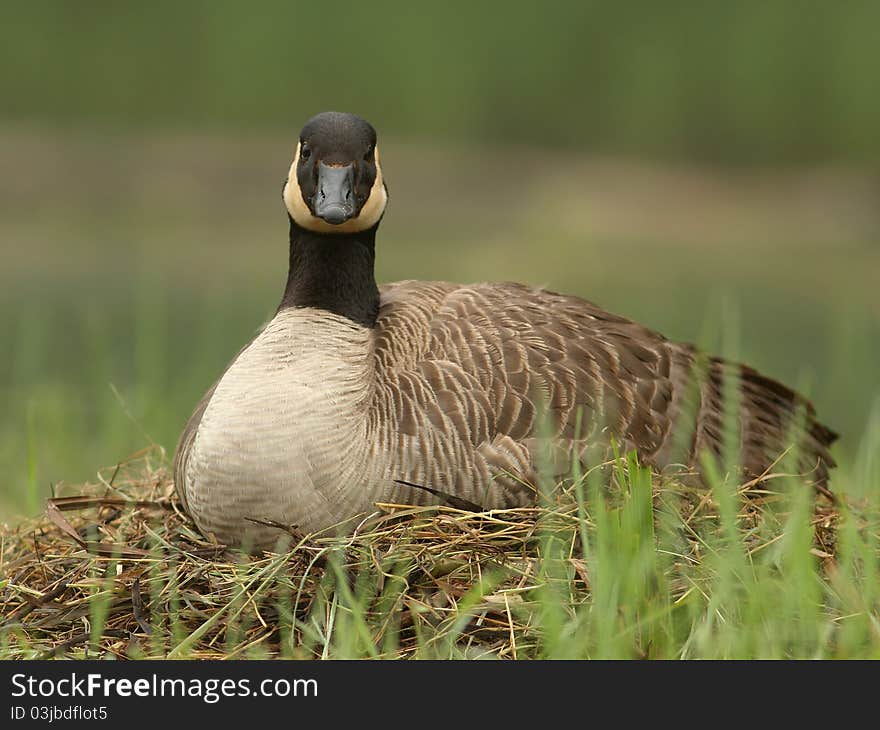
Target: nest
{"x": 115, "y": 569}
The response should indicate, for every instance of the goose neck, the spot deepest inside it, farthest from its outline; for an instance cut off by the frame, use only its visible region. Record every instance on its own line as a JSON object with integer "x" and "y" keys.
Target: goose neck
{"x": 333, "y": 272}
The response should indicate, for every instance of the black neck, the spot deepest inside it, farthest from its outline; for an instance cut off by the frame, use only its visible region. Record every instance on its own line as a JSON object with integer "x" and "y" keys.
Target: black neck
{"x": 333, "y": 272}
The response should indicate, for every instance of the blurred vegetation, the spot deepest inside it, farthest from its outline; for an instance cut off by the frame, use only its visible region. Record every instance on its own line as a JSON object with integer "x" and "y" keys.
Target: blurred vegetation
{"x": 142, "y": 238}
{"x": 755, "y": 81}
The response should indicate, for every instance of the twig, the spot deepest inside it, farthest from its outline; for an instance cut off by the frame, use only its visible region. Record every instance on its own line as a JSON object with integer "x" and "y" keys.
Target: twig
{"x": 80, "y": 639}
{"x": 450, "y": 499}
{"x": 137, "y": 606}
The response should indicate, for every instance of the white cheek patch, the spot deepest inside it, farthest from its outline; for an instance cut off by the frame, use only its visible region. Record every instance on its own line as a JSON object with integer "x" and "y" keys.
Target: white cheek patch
{"x": 368, "y": 217}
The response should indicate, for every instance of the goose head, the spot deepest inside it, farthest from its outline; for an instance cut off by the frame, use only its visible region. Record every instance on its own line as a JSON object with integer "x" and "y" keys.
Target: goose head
{"x": 335, "y": 183}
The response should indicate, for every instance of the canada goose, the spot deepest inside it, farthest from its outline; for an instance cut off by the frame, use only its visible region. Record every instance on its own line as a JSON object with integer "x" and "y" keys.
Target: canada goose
{"x": 354, "y": 394}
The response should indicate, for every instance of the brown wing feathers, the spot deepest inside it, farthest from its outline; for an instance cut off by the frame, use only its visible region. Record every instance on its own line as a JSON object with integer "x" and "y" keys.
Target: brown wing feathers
{"x": 467, "y": 369}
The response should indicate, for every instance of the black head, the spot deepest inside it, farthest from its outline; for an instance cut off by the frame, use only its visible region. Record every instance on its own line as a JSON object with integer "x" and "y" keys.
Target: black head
{"x": 335, "y": 183}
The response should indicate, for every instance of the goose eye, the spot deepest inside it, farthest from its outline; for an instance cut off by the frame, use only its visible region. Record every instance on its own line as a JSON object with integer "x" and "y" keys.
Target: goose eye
{"x": 305, "y": 152}
{"x": 369, "y": 155}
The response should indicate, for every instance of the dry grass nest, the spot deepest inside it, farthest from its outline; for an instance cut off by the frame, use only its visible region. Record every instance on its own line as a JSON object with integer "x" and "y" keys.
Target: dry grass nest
{"x": 115, "y": 569}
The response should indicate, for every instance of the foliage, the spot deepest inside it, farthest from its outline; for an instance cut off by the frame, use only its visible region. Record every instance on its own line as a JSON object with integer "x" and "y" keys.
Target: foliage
{"x": 614, "y": 563}
{"x": 757, "y": 81}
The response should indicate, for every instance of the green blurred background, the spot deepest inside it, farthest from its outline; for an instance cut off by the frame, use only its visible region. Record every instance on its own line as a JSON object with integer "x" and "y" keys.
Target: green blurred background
{"x": 711, "y": 169}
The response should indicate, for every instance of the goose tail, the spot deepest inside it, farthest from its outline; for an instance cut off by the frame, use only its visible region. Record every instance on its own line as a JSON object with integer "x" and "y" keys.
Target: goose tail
{"x": 777, "y": 420}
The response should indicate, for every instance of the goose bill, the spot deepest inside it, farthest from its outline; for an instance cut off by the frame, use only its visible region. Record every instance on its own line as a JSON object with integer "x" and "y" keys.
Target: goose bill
{"x": 334, "y": 200}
